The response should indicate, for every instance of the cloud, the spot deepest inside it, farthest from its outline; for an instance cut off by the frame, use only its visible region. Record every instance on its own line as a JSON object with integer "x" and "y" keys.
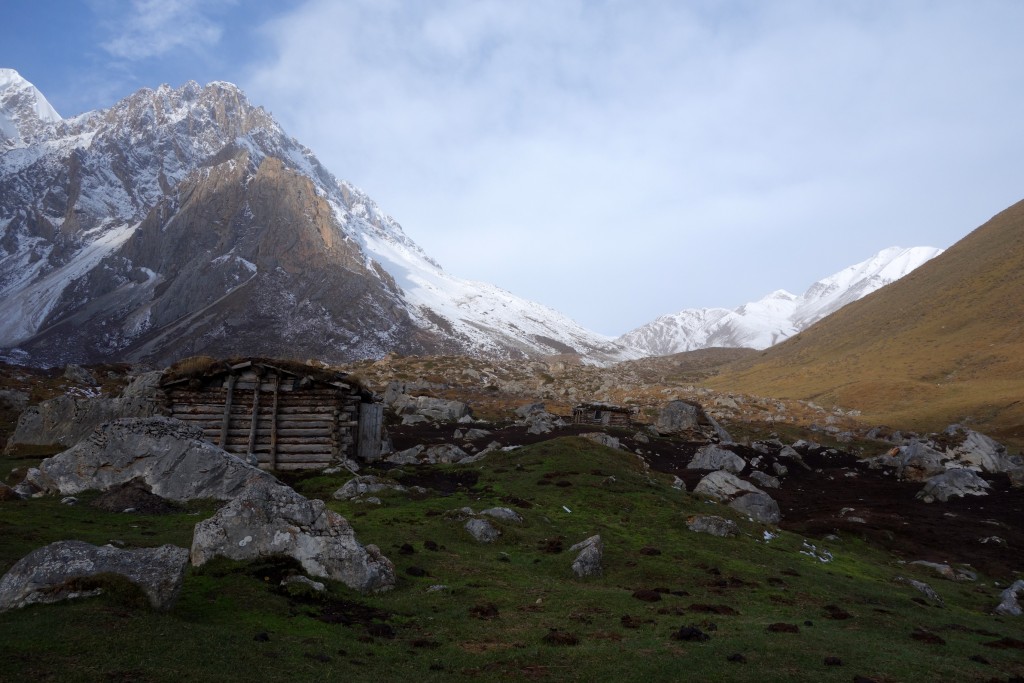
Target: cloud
{"x": 670, "y": 154}
{"x": 152, "y": 28}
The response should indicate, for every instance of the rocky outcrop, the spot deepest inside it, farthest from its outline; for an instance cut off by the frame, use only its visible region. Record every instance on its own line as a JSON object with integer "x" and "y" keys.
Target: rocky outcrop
{"x": 430, "y": 409}
{"x": 430, "y": 455}
{"x": 60, "y": 571}
{"x": 953, "y": 483}
{"x": 270, "y": 519}
{"x": 166, "y": 454}
{"x": 588, "y": 560}
{"x": 715, "y": 457}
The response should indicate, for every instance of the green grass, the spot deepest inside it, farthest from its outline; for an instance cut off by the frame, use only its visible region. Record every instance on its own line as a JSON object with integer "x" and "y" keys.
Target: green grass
{"x": 211, "y": 633}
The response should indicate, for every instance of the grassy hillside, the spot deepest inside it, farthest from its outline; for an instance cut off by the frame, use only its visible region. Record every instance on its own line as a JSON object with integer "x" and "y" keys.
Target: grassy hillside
{"x": 944, "y": 344}
{"x": 513, "y": 610}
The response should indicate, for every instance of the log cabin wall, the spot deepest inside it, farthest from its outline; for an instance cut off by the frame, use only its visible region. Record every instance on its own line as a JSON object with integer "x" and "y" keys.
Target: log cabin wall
{"x": 602, "y": 415}
{"x": 281, "y": 420}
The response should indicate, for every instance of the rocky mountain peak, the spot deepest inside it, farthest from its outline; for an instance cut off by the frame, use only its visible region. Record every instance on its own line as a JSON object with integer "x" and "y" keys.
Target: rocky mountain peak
{"x": 24, "y": 112}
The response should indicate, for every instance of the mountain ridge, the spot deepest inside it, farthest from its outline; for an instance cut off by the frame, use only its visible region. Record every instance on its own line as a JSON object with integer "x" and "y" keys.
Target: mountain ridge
{"x": 776, "y": 316}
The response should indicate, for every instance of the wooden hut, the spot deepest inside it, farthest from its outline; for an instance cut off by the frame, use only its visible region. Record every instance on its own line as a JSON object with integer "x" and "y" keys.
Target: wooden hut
{"x": 282, "y": 415}
{"x": 603, "y": 414}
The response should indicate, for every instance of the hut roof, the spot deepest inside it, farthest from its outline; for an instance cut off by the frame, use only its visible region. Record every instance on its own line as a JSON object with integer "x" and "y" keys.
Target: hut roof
{"x": 202, "y": 367}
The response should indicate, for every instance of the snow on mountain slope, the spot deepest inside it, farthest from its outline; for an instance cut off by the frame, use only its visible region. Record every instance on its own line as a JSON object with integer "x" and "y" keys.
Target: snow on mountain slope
{"x": 24, "y": 112}
{"x": 778, "y": 315}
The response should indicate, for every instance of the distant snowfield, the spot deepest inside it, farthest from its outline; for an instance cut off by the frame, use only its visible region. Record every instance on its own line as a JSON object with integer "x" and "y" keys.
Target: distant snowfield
{"x": 778, "y": 315}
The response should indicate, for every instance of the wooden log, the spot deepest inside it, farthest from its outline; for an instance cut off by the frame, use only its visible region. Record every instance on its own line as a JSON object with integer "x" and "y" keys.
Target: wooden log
{"x": 254, "y": 420}
{"x": 227, "y": 411}
{"x": 273, "y": 421}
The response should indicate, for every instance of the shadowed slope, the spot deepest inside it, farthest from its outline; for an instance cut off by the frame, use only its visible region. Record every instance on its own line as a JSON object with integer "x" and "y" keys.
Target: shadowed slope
{"x": 944, "y": 344}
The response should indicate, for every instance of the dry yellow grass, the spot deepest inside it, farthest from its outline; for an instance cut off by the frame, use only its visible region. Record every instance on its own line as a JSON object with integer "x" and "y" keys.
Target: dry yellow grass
{"x": 944, "y": 344}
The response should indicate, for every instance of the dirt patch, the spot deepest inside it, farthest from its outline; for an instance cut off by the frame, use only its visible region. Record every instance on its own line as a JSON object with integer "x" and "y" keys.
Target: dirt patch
{"x": 135, "y": 496}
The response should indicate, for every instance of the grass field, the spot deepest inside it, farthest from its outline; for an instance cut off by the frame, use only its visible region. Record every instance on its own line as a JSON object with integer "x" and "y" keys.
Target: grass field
{"x": 512, "y": 609}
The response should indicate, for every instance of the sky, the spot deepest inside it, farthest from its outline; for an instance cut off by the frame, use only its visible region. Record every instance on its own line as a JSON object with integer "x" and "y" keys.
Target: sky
{"x": 615, "y": 160}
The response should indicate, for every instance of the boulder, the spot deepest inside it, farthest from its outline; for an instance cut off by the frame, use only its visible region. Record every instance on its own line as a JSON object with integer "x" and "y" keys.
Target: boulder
{"x": 433, "y": 409}
{"x": 602, "y": 439}
{"x": 764, "y": 479}
{"x": 65, "y": 420}
{"x": 269, "y": 519}
{"x": 759, "y": 506}
{"x": 923, "y": 587}
{"x": 503, "y": 514}
{"x": 168, "y": 455}
{"x": 914, "y": 461}
{"x": 722, "y": 485}
{"x": 359, "y": 486}
{"x": 588, "y": 560}
{"x": 13, "y": 400}
{"x": 1009, "y": 604}
{"x": 946, "y": 571}
{"x": 715, "y": 457}
{"x": 525, "y": 411}
{"x": 482, "y": 530}
{"x": 953, "y": 483}
{"x": 429, "y": 455}
{"x": 79, "y": 375}
{"x": 55, "y": 572}
{"x": 1016, "y": 476}
{"x": 739, "y": 495}
{"x": 678, "y": 416}
{"x": 978, "y": 452}
{"x": 712, "y": 524}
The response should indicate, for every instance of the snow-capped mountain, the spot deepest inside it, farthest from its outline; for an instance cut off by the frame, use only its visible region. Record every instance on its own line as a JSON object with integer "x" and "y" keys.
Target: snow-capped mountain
{"x": 778, "y": 315}
{"x": 186, "y": 221}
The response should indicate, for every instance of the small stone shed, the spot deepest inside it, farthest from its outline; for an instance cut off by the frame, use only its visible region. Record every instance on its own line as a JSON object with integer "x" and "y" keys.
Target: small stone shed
{"x": 286, "y": 415}
{"x": 603, "y": 414}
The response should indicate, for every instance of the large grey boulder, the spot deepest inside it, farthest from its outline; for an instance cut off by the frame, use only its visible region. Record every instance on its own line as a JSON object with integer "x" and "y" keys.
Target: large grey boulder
{"x": 1009, "y": 604}
{"x": 953, "y": 483}
{"x": 168, "y": 455}
{"x": 482, "y": 530}
{"x": 678, "y": 416}
{"x": 722, "y": 485}
{"x": 502, "y": 514}
{"x": 715, "y": 457}
{"x": 682, "y": 416}
{"x": 739, "y": 495}
{"x": 759, "y": 506}
{"x": 269, "y": 519}
{"x": 433, "y": 409}
{"x": 712, "y": 524}
{"x": 979, "y": 452}
{"x": 764, "y": 479}
{"x": 65, "y": 420}
{"x": 588, "y": 559}
{"x": 445, "y": 453}
{"x": 53, "y": 573}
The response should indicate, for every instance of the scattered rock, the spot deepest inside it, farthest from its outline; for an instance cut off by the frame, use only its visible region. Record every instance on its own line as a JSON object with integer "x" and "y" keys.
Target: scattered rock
{"x": 482, "y": 530}
{"x": 956, "y": 482}
{"x": 1009, "y": 604}
{"x": 429, "y": 409}
{"x": 588, "y": 561}
{"x": 504, "y": 514}
{"x": 764, "y": 479}
{"x": 946, "y": 571}
{"x": 54, "y": 572}
{"x": 715, "y": 457}
{"x": 923, "y": 587}
{"x": 361, "y": 485}
{"x": 269, "y": 519}
{"x": 711, "y": 524}
{"x": 760, "y": 506}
